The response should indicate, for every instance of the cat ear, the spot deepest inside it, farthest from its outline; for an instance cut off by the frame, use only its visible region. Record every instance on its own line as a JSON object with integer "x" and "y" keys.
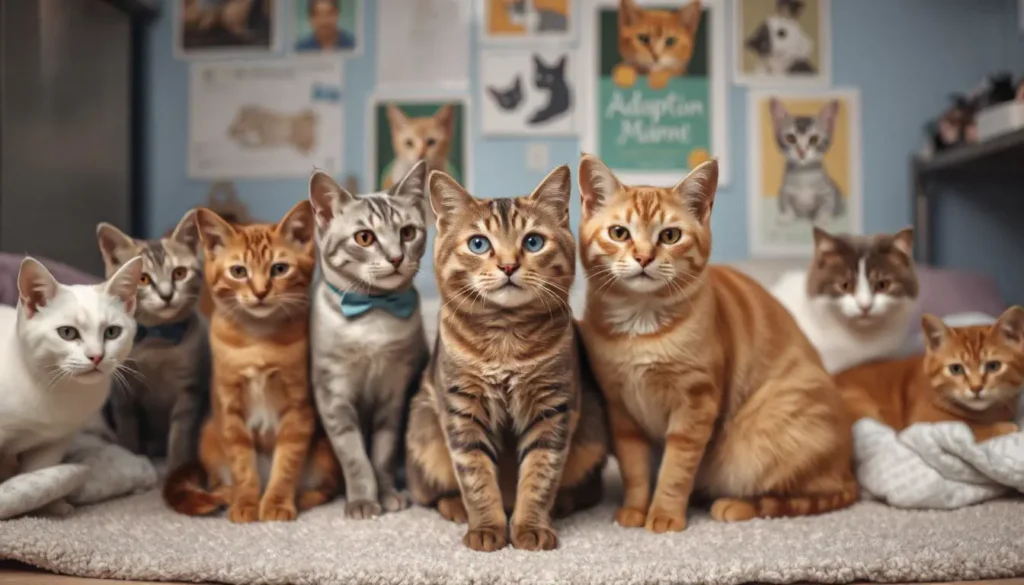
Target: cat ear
{"x": 447, "y": 196}
{"x": 214, "y": 232}
{"x": 396, "y": 117}
{"x": 537, "y": 62}
{"x": 935, "y": 331}
{"x": 824, "y": 242}
{"x": 689, "y": 16}
{"x": 445, "y": 117}
{"x": 494, "y": 93}
{"x": 597, "y": 184}
{"x": 552, "y": 194}
{"x": 561, "y": 62}
{"x": 186, "y": 232}
{"x": 327, "y": 197}
{"x": 297, "y": 225}
{"x": 1011, "y": 325}
{"x": 36, "y": 286}
{"x": 125, "y": 282}
{"x": 779, "y": 114}
{"x": 827, "y": 115}
{"x": 904, "y": 241}
{"x": 698, "y": 188}
{"x": 412, "y": 184}
{"x": 628, "y": 12}
{"x": 518, "y": 83}
{"x": 115, "y": 245}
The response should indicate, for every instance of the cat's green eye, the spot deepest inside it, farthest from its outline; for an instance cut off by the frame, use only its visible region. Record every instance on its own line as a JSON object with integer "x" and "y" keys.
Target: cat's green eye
{"x": 670, "y": 235}
{"x": 618, "y": 233}
{"x": 112, "y": 332}
{"x": 238, "y": 271}
{"x": 408, "y": 233}
{"x": 478, "y": 244}
{"x": 993, "y": 366}
{"x": 644, "y": 38}
{"x": 669, "y": 41}
{"x": 68, "y": 333}
{"x": 179, "y": 273}
{"x": 278, "y": 269}
{"x": 365, "y": 237}
{"x": 956, "y": 369}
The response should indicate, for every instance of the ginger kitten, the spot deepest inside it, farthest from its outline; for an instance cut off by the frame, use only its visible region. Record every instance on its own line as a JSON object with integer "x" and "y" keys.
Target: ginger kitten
{"x": 263, "y": 427}
{"x": 968, "y": 374}
{"x": 504, "y": 419}
{"x": 655, "y": 43}
{"x": 427, "y": 138}
{"x": 703, "y": 360}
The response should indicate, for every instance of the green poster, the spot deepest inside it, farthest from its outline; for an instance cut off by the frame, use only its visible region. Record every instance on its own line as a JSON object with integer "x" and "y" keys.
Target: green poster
{"x": 433, "y": 130}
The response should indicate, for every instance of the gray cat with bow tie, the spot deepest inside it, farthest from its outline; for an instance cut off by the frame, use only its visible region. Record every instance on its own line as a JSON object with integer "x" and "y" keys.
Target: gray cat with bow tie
{"x": 367, "y": 341}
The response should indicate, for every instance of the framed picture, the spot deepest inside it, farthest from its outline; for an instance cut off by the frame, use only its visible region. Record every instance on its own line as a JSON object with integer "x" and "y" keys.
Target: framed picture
{"x": 527, "y": 92}
{"x": 327, "y": 26}
{"x": 805, "y": 168}
{"x": 782, "y": 43}
{"x": 527, "y": 21}
{"x": 224, "y": 28}
{"x": 405, "y": 129}
{"x": 652, "y": 123}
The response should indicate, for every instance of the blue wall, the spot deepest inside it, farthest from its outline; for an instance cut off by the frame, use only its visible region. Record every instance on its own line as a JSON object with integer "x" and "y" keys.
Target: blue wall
{"x": 905, "y": 56}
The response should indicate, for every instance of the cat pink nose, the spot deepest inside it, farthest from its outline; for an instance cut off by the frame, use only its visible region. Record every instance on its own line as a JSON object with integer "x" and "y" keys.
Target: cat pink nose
{"x": 96, "y": 359}
{"x": 508, "y": 269}
{"x": 396, "y": 260}
{"x": 977, "y": 390}
{"x": 643, "y": 259}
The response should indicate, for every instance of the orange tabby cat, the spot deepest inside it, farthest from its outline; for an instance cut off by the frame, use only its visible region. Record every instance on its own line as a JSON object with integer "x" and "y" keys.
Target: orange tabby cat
{"x": 656, "y": 43}
{"x": 703, "y": 360}
{"x": 426, "y": 138}
{"x": 968, "y": 374}
{"x": 262, "y": 412}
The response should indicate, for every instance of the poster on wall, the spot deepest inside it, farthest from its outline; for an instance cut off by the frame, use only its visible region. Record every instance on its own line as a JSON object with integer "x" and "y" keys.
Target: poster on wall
{"x": 405, "y": 130}
{"x": 527, "y": 92}
{"x": 222, "y": 28}
{"x": 327, "y": 26}
{"x": 780, "y": 43}
{"x": 653, "y": 121}
{"x": 264, "y": 118}
{"x": 423, "y": 44}
{"x": 805, "y": 168}
{"x": 527, "y": 21}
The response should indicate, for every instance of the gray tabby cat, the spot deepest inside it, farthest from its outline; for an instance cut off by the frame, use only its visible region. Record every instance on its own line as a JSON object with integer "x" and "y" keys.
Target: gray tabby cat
{"x": 160, "y": 412}
{"x": 808, "y": 192}
{"x": 367, "y": 342}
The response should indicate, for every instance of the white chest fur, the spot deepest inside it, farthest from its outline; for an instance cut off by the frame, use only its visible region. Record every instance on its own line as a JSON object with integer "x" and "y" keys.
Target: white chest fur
{"x": 636, "y": 317}
{"x": 261, "y": 415}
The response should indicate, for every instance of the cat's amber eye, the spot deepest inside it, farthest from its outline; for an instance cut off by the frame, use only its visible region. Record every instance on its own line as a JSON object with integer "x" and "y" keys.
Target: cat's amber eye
{"x": 993, "y": 367}
{"x": 145, "y": 279}
{"x": 179, "y": 273}
{"x": 846, "y": 286}
{"x": 618, "y": 233}
{"x": 431, "y": 141}
{"x": 670, "y": 235}
{"x": 238, "y": 271}
{"x": 409, "y": 143}
{"x": 408, "y": 233}
{"x": 882, "y": 285}
{"x": 791, "y": 138}
{"x": 365, "y": 237}
{"x": 813, "y": 141}
{"x": 956, "y": 369}
{"x": 644, "y": 38}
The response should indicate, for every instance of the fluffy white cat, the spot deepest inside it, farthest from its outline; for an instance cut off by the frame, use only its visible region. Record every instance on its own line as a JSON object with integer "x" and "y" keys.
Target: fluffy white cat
{"x": 59, "y": 350}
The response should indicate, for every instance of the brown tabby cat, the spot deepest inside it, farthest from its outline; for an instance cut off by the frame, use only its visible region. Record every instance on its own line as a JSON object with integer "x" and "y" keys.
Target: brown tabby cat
{"x": 656, "y": 43}
{"x": 426, "y": 138}
{"x": 703, "y": 360}
{"x": 262, "y": 413}
{"x": 503, "y": 419}
{"x": 968, "y": 374}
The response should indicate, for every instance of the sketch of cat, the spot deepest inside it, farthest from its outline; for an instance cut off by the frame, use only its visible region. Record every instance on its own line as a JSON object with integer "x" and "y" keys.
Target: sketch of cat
{"x": 426, "y": 138}
{"x": 260, "y": 127}
{"x": 508, "y": 99}
{"x": 551, "y": 79}
{"x": 655, "y": 43}
{"x": 539, "y": 19}
{"x": 807, "y": 192}
{"x": 780, "y": 42}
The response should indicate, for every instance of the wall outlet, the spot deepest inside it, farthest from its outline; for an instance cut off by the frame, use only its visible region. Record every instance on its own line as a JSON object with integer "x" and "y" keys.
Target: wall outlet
{"x": 537, "y": 156}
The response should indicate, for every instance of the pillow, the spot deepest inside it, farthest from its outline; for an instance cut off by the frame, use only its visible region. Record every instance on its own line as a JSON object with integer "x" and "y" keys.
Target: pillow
{"x": 112, "y": 470}
{"x": 30, "y": 491}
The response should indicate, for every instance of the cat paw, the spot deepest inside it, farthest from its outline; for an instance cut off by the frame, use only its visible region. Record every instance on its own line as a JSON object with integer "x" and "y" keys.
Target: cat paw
{"x": 362, "y": 510}
{"x": 243, "y": 512}
{"x": 534, "y": 538}
{"x": 630, "y": 517}
{"x": 453, "y": 509}
{"x": 277, "y": 511}
{"x": 624, "y": 76}
{"x": 658, "y": 79}
{"x": 486, "y": 539}
{"x": 57, "y": 509}
{"x": 660, "y": 521}
{"x": 394, "y": 501}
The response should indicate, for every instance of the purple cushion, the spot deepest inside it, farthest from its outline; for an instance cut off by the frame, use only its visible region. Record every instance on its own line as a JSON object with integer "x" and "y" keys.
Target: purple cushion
{"x": 10, "y": 263}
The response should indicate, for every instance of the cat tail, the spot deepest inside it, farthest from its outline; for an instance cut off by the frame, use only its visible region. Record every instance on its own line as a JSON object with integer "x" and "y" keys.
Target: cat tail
{"x": 185, "y": 494}
{"x": 732, "y": 510}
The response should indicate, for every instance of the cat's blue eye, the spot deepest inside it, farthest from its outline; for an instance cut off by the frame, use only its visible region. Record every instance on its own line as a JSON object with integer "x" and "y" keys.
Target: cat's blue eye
{"x": 993, "y": 366}
{"x": 479, "y": 244}
{"x": 68, "y": 333}
{"x": 956, "y": 369}
{"x": 278, "y": 269}
{"x": 238, "y": 271}
{"x": 112, "y": 332}
{"x": 533, "y": 242}
{"x": 669, "y": 41}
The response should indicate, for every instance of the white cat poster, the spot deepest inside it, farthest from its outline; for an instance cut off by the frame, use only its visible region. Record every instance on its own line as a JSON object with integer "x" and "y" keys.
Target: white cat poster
{"x": 805, "y": 168}
{"x": 527, "y": 92}
{"x": 265, "y": 118}
{"x": 782, "y": 43}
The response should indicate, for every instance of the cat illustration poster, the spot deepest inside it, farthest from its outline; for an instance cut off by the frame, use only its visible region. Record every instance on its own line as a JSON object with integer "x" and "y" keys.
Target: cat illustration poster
{"x": 326, "y": 26}
{"x": 527, "y": 92}
{"x": 221, "y": 28}
{"x": 264, "y": 118}
{"x": 782, "y": 43}
{"x": 656, "y": 103}
{"x": 527, "y": 21}
{"x": 804, "y": 168}
{"x": 405, "y": 130}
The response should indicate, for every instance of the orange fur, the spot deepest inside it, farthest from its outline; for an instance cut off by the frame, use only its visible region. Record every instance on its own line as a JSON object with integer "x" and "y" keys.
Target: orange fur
{"x": 703, "y": 360}
{"x": 259, "y": 277}
{"x": 656, "y": 43}
{"x": 980, "y": 390}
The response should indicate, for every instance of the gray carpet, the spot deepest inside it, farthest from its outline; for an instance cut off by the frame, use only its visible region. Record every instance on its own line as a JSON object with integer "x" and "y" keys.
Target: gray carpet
{"x": 139, "y": 538}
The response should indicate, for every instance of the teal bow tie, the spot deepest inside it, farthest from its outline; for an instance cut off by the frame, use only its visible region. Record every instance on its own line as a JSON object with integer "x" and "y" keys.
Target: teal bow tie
{"x": 400, "y": 304}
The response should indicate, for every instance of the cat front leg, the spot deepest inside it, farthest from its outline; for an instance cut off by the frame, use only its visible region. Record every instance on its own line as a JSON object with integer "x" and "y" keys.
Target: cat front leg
{"x": 624, "y": 75}
{"x": 787, "y": 214}
{"x": 291, "y": 448}
{"x": 386, "y": 421}
{"x": 41, "y": 458}
{"x": 336, "y": 400}
{"x": 633, "y": 452}
{"x": 240, "y": 447}
{"x": 659, "y": 78}
{"x": 183, "y": 434}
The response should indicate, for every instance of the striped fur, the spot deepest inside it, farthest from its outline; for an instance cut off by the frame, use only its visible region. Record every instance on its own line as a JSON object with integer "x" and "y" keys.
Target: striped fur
{"x": 704, "y": 361}
{"x": 502, "y": 420}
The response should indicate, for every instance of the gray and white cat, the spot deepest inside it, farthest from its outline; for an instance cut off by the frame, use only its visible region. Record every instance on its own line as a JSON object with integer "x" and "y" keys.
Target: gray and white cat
{"x": 780, "y": 43}
{"x": 60, "y": 348}
{"x": 536, "y": 20}
{"x": 808, "y": 192}
{"x": 367, "y": 342}
{"x": 161, "y": 412}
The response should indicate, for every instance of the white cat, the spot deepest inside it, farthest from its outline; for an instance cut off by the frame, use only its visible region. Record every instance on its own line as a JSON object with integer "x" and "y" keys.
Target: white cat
{"x": 59, "y": 350}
